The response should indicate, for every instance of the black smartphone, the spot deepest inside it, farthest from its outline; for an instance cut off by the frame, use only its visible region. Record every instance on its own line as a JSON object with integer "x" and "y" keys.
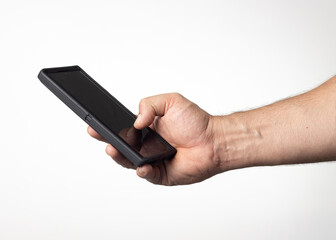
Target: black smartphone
{"x": 105, "y": 114}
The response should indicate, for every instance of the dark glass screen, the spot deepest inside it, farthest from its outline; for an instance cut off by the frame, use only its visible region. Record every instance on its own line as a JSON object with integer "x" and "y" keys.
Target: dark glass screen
{"x": 107, "y": 111}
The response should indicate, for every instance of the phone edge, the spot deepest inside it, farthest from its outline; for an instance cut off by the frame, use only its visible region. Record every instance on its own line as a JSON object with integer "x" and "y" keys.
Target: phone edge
{"x": 126, "y": 150}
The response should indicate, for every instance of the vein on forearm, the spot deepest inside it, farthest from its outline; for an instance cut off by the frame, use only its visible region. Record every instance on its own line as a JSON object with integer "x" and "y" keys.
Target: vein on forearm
{"x": 300, "y": 129}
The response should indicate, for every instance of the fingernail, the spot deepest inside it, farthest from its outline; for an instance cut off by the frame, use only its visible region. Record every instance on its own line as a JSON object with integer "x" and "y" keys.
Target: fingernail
{"x": 138, "y": 120}
{"x": 108, "y": 149}
{"x": 141, "y": 171}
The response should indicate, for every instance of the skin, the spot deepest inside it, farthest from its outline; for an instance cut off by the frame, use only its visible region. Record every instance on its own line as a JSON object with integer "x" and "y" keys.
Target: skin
{"x": 301, "y": 129}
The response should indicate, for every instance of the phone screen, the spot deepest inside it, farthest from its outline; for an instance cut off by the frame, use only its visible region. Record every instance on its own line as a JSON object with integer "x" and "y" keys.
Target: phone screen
{"x": 109, "y": 112}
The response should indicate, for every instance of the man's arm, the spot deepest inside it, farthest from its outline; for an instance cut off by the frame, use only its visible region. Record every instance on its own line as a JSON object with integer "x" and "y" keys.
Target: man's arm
{"x": 301, "y": 129}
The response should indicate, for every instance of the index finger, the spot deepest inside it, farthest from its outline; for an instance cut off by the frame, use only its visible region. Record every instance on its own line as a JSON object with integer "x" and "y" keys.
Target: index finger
{"x": 151, "y": 107}
{"x": 95, "y": 135}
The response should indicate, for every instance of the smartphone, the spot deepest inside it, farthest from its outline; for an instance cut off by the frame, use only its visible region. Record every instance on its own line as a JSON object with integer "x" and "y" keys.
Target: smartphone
{"x": 105, "y": 114}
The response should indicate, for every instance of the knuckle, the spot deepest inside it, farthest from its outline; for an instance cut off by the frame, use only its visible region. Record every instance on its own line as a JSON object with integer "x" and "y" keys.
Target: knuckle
{"x": 176, "y": 95}
{"x": 143, "y": 101}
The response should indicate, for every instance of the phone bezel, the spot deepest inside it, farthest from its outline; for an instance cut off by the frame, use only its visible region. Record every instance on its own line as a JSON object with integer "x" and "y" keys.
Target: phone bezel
{"x": 136, "y": 158}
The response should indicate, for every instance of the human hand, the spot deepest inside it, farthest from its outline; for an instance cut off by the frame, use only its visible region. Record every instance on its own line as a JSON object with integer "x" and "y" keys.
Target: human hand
{"x": 186, "y": 127}
{"x": 142, "y": 141}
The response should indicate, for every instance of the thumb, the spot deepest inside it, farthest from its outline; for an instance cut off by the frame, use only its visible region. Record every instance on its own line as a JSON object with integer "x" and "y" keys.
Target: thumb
{"x": 151, "y": 107}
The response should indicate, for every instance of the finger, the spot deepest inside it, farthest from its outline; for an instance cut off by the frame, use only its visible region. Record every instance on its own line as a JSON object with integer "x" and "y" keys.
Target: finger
{"x": 118, "y": 157}
{"x": 151, "y": 107}
{"x": 150, "y": 173}
{"x": 95, "y": 135}
{"x": 132, "y": 136}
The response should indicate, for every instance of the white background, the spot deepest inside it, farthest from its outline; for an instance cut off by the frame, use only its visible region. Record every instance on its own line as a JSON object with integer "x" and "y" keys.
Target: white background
{"x": 58, "y": 183}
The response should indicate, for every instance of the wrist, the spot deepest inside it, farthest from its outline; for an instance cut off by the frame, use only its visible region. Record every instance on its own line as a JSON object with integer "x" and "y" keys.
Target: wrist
{"x": 221, "y": 154}
{"x": 234, "y": 142}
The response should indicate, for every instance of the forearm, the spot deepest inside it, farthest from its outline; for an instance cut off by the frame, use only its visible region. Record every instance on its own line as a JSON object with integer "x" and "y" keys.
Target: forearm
{"x": 300, "y": 129}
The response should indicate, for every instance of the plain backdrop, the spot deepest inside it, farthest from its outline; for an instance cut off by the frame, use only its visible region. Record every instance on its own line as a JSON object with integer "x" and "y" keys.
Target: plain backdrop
{"x": 57, "y": 183}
